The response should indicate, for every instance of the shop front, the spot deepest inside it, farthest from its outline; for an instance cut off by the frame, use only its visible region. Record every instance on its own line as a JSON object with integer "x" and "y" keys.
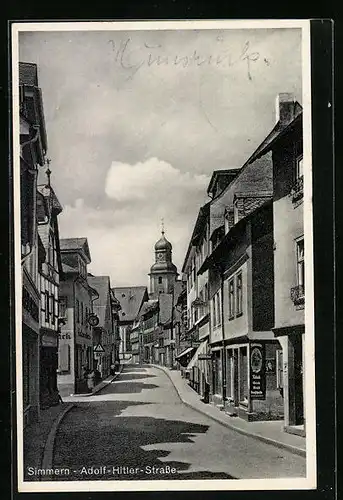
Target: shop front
{"x": 253, "y": 385}
{"x": 292, "y": 340}
{"x": 48, "y": 367}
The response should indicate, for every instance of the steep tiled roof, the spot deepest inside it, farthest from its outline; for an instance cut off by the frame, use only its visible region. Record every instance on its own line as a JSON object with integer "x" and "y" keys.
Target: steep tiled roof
{"x": 28, "y": 74}
{"x": 130, "y": 299}
{"x": 165, "y": 307}
{"x": 75, "y": 244}
{"x": 68, "y": 269}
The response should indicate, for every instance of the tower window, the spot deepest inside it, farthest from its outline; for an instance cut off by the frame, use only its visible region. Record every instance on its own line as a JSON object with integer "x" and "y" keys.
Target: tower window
{"x": 160, "y": 280}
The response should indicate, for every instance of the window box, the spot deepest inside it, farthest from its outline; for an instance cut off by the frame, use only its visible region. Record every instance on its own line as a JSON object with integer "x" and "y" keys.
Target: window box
{"x": 298, "y": 294}
{"x": 297, "y": 191}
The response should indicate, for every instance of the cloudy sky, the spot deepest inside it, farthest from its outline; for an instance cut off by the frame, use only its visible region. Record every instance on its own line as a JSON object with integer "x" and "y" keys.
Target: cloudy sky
{"x": 138, "y": 120}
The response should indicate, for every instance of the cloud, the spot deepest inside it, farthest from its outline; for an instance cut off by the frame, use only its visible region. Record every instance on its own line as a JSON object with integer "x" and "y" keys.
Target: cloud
{"x": 153, "y": 179}
{"x": 122, "y": 235}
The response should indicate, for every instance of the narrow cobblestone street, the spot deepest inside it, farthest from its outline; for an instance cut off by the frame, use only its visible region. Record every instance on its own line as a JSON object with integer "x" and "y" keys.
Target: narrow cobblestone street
{"x": 138, "y": 422}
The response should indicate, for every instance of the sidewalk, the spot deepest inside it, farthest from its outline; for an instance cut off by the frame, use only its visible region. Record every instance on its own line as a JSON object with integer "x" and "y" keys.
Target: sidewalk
{"x": 37, "y": 433}
{"x": 39, "y": 437}
{"x": 270, "y": 432}
{"x": 101, "y": 385}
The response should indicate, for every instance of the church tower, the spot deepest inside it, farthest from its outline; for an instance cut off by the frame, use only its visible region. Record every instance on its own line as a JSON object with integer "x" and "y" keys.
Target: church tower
{"x": 163, "y": 274}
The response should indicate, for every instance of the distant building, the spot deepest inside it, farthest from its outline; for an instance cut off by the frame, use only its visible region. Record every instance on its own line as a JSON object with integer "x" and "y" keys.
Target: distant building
{"x": 75, "y": 355}
{"x": 33, "y": 148}
{"x": 198, "y": 329}
{"x": 105, "y": 334}
{"x": 48, "y": 209}
{"x": 163, "y": 273}
{"x": 130, "y": 300}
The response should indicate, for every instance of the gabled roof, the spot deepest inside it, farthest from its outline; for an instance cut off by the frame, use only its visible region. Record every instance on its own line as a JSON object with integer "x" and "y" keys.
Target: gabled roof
{"x": 165, "y": 307}
{"x": 28, "y": 74}
{"x": 131, "y": 299}
{"x": 68, "y": 269}
{"x": 198, "y": 226}
{"x": 221, "y": 173}
{"x": 76, "y": 245}
{"x": 278, "y": 130}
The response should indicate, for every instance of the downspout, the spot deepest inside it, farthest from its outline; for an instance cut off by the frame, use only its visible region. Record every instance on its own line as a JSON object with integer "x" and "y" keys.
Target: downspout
{"x": 74, "y": 328}
{"x": 223, "y": 336}
{"x": 30, "y": 141}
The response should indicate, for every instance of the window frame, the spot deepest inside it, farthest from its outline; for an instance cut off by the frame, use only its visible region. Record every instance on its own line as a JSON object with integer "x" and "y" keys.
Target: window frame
{"x": 232, "y": 301}
{"x": 300, "y": 262}
{"x": 239, "y": 294}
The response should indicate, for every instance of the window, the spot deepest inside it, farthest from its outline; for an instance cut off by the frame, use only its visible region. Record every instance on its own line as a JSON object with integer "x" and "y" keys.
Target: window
{"x": 214, "y": 305}
{"x": 231, "y": 299}
{"x": 216, "y": 309}
{"x": 52, "y": 308}
{"x": 298, "y": 183}
{"x": 47, "y": 312}
{"x": 160, "y": 280}
{"x": 82, "y": 318}
{"x": 279, "y": 369}
{"x": 62, "y": 303}
{"x": 301, "y": 264}
{"x": 299, "y": 168}
{"x": 239, "y": 294}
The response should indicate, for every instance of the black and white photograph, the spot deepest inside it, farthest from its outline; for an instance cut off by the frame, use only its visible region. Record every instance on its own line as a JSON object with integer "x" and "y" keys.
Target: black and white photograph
{"x": 163, "y": 255}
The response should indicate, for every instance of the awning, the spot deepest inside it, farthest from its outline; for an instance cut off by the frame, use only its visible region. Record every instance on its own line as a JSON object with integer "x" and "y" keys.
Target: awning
{"x": 185, "y": 352}
{"x": 202, "y": 349}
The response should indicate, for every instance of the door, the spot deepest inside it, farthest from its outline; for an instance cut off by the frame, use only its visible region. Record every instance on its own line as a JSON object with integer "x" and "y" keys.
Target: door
{"x": 298, "y": 381}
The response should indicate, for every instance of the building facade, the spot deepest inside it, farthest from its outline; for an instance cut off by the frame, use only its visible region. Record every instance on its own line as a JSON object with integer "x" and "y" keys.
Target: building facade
{"x": 198, "y": 330}
{"x": 33, "y": 148}
{"x": 163, "y": 273}
{"x": 105, "y": 334}
{"x": 48, "y": 209}
{"x": 286, "y": 146}
{"x": 130, "y": 300}
{"x": 75, "y": 355}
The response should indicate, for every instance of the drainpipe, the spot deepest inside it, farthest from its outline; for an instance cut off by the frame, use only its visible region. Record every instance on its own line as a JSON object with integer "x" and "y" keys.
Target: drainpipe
{"x": 223, "y": 336}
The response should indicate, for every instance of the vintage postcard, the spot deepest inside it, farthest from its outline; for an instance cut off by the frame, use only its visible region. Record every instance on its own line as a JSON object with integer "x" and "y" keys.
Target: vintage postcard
{"x": 163, "y": 256}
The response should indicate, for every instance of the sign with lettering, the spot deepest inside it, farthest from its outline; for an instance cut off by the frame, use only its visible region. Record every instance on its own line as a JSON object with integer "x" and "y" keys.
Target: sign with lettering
{"x": 257, "y": 372}
{"x": 204, "y": 356}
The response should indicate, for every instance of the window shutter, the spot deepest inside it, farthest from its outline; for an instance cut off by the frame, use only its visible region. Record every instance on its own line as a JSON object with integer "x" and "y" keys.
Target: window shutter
{"x": 64, "y": 358}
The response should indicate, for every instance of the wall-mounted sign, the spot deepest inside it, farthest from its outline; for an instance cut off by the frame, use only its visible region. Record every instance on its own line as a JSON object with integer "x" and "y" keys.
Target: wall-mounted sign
{"x": 257, "y": 372}
{"x": 93, "y": 320}
{"x": 204, "y": 356}
{"x": 98, "y": 348}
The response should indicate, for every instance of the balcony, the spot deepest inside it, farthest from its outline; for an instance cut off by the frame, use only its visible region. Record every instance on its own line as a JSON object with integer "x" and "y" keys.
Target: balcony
{"x": 298, "y": 295}
{"x": 297, "y": 190}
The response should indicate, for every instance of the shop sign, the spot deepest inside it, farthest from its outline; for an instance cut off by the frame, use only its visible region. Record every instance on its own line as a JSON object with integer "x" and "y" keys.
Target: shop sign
{"x": 204, "y": 356}
{"x": 257, "y": 372}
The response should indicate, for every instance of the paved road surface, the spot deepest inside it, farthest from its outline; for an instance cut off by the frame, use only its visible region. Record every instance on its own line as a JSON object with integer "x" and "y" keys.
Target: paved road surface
{"x": 139, "y": 422}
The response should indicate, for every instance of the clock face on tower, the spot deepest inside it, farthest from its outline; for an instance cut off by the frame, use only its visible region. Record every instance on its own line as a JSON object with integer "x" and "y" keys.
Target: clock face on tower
{"x": 160, "y": 256}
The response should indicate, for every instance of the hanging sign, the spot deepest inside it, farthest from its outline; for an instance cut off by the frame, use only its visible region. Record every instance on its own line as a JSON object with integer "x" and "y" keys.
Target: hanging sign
{"x": 93, "y": 320}
{"x": 257, "y": 372}
{"x": 98, "y": 348}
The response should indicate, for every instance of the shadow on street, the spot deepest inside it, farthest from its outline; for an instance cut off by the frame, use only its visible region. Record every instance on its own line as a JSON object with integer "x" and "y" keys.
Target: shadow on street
{"x": 90, "y": 432}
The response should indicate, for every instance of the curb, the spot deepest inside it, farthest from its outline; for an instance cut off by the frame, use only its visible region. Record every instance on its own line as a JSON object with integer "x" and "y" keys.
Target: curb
{"x": 105, "y": 383}
{"x": 278, "y": 444}
{"x": 50, "y": 442}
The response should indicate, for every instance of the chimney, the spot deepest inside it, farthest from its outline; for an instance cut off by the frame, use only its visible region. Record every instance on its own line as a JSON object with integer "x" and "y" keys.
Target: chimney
{"x": 285, "y": 108}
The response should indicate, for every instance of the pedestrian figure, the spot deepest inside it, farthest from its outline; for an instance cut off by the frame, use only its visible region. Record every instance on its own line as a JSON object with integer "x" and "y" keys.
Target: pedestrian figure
{"x": 90, "y": 380}
{"x": 112, "y": 369}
